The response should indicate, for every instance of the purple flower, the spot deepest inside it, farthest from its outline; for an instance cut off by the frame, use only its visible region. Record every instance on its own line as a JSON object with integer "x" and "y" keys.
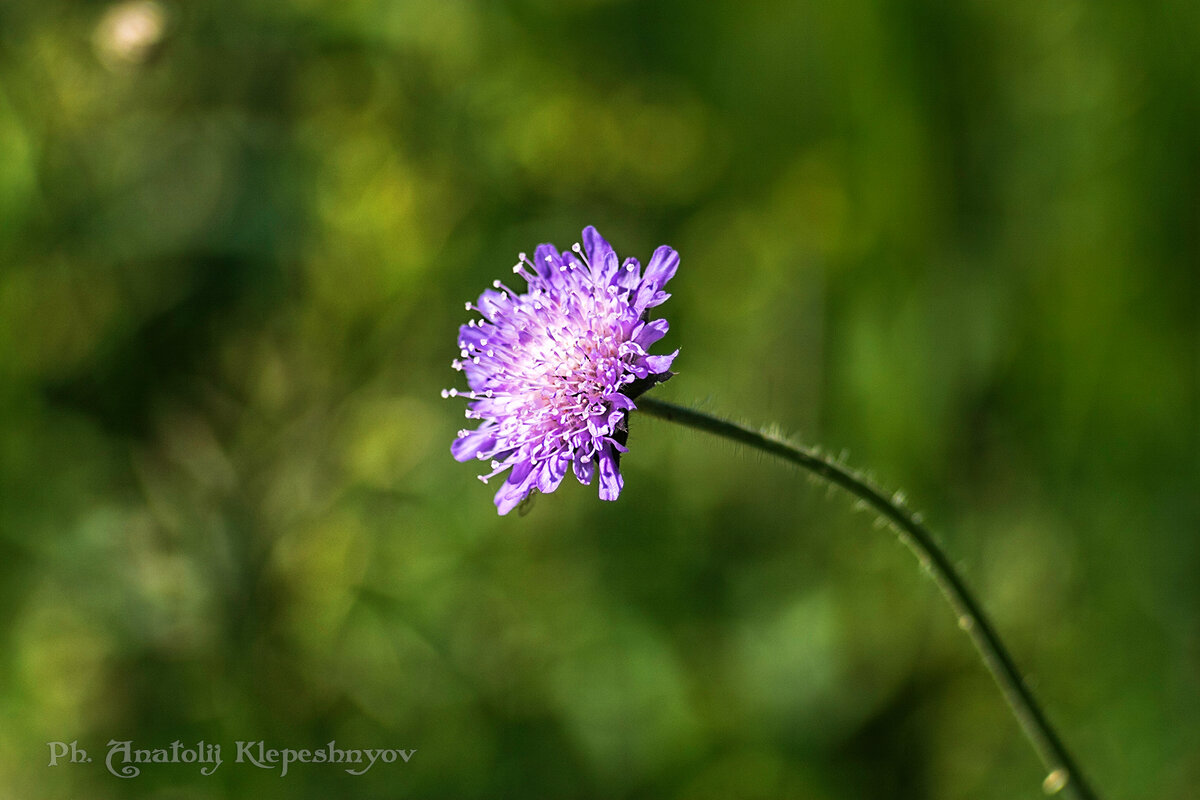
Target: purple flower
{"x": 554, "y": 370}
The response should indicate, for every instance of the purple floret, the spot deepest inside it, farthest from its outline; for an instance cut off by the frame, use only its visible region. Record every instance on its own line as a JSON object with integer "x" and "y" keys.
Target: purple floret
{"x": 554, "y": 371}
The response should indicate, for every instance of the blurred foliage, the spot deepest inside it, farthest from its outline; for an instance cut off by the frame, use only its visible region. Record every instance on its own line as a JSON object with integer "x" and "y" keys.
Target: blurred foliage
{"x": 958, "y": 239}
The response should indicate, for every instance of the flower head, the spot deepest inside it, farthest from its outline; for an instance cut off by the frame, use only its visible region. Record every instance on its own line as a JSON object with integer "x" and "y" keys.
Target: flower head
{"x": 554, "y": 370}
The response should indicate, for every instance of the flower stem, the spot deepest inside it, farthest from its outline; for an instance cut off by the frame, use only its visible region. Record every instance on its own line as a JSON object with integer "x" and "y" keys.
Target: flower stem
{"x": 1063, "y": 772}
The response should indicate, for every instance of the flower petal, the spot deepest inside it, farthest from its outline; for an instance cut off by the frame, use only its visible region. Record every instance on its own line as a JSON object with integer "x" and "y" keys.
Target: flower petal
{"x": 660, "y": 364}
{"x": 651, "y": 332}
{"x": 611, "y": 481}
{"x": 601, "y": 256}
{"x": 551, "y": 473}
{"x": 472, "y": 335}
{"x": 630, "y": 275}
{"x": 584, "y": 470}
{"x": 661, "y": 268}
{"x": 520, "y": 482}
{"x": 492, "y": 303}
{"x": 476, "y": 442}
{"x": 621, "y": 401}
{"x": 656, "y": 299}
{"x": 547, "y": 262}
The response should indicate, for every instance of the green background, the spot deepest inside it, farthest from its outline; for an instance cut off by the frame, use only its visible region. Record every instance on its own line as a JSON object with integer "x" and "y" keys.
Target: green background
{"x": 958, "y": 240}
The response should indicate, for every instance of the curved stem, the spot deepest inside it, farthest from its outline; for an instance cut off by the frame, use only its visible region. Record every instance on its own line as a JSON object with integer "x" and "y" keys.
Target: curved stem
{"x": 1063, "y": 772}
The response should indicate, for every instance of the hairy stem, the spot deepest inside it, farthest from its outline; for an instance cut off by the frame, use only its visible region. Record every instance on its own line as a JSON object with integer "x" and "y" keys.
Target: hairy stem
{"x": 1063, "y": 774}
